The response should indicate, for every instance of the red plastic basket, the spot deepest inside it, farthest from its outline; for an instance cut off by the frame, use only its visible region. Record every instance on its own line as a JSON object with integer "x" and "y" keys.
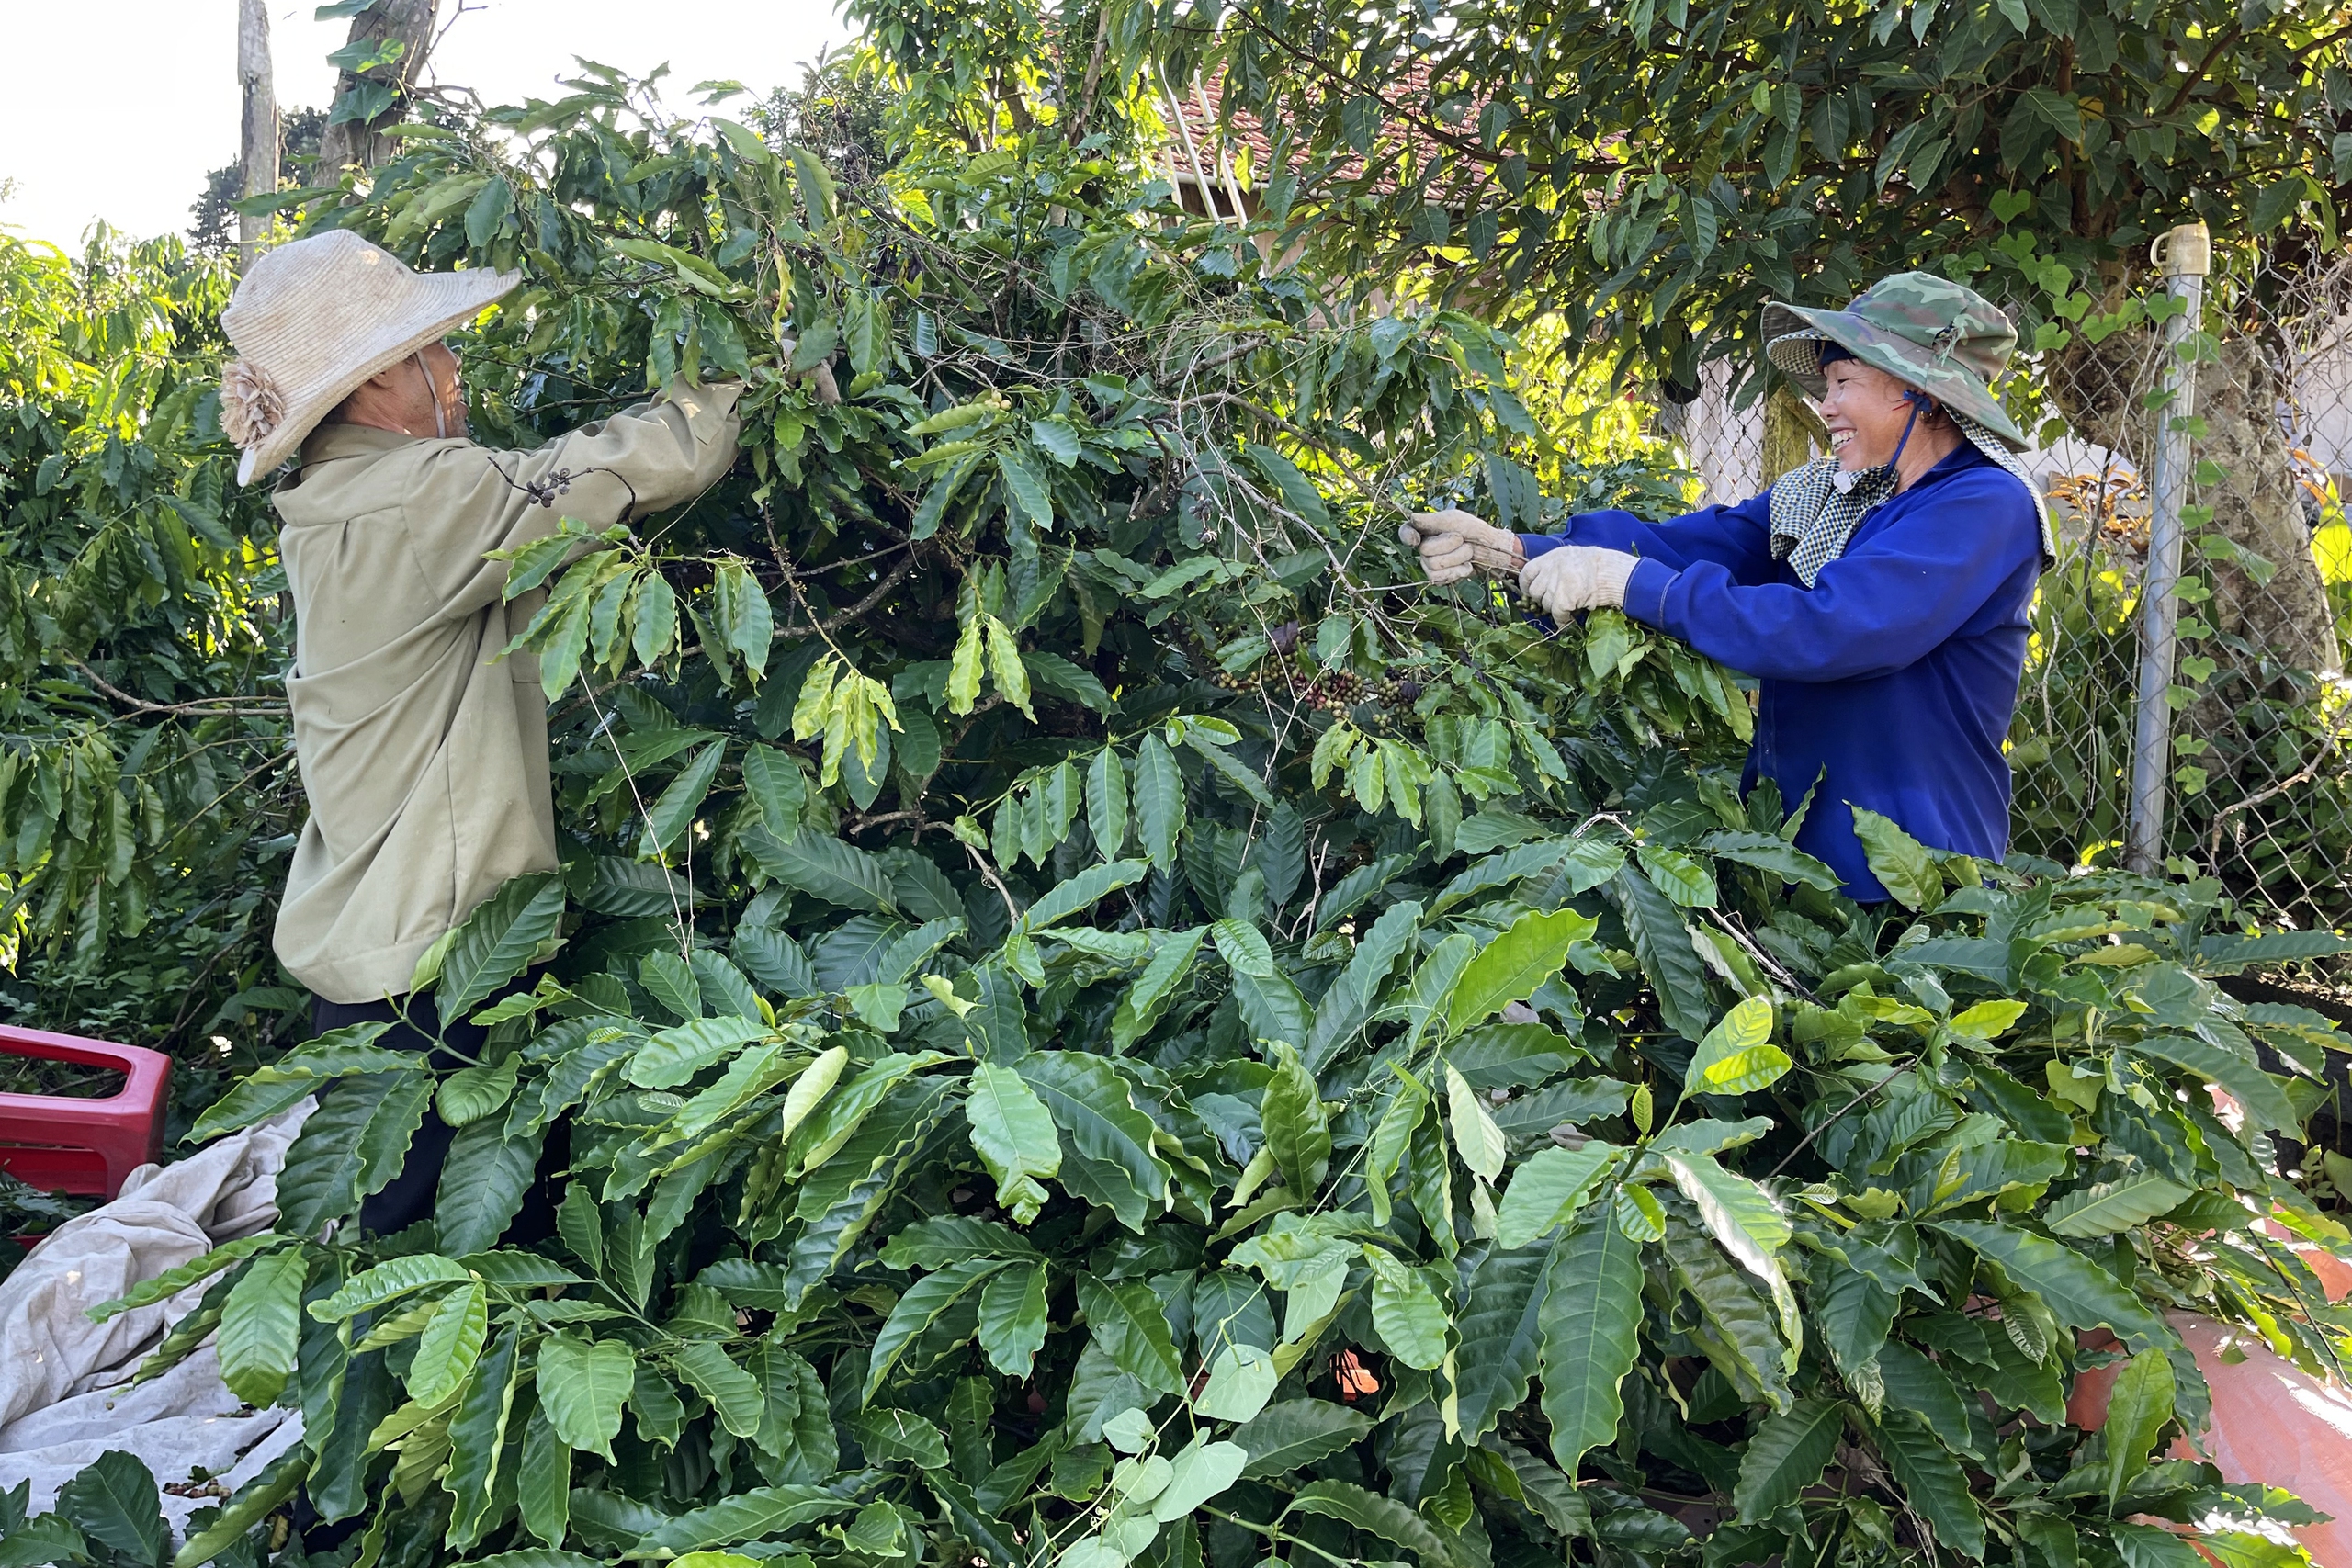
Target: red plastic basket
{"x": 83, "y": 1146}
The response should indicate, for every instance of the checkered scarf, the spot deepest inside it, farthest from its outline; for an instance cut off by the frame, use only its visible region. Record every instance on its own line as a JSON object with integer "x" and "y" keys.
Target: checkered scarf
{"x": 1816, "y": 508}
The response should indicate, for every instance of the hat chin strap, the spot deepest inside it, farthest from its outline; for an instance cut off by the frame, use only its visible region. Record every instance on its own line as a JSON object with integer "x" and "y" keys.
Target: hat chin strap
{"x": 1847, "y": 479}
{"x": 441, "y": 420}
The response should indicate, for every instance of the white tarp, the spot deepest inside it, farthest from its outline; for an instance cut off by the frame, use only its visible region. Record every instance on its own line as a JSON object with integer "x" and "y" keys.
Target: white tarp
{"x": 65, "y": 1391}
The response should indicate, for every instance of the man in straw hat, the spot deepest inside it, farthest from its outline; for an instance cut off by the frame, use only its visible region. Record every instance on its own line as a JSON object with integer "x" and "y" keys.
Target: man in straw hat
{"x": 422, "y": 754}
{"x": 1880, "y": 594}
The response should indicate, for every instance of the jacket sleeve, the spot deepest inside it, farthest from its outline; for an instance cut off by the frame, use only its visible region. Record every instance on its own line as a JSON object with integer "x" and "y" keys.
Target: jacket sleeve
{"x": 466, "y": 501}
{"x": 1885, "y": 602}
{"x": 1738, "y": 538}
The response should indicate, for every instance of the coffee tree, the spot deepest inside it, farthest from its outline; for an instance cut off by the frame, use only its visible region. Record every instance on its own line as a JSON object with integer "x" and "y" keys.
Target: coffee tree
{"x": 1088, "y": 1019}
{"x": 145, "y": 771}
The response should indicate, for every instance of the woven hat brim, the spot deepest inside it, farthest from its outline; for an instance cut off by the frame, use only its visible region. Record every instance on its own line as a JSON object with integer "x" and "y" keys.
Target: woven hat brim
{"x": 1793, "y": 339}
{"x": 439, "y": 303}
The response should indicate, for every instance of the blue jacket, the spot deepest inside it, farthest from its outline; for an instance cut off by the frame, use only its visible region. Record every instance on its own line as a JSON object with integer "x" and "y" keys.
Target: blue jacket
{"x": 1896, "y": 671}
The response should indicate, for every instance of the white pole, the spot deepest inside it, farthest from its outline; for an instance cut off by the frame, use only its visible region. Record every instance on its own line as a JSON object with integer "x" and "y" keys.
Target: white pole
{"x": 1224, "y": 164}
{"x": 2185, "y": 255}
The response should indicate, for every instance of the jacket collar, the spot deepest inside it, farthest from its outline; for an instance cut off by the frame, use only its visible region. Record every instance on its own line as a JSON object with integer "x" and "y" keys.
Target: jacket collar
{"x": 340, "y": 440}
{"x": 1961, "y": 458}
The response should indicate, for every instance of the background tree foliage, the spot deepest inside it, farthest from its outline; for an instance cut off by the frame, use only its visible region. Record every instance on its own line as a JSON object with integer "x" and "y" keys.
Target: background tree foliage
{"x": 1661, "y": 170}
{"x": 1091, "y": 1019}
{"x": 144, "y": 776}
{"x": 213, "y": 227}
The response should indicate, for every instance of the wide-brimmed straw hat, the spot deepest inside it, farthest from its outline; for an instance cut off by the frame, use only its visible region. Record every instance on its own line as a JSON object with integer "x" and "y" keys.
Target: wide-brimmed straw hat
{"x": 314, "y": 318}
{"x": 1927, "y": 332}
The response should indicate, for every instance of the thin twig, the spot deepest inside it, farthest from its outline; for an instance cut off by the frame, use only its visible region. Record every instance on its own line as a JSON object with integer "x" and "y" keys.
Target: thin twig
{"x": 1901, "y": 1065}
{"x": 202, "y": 707}
{"x": 860, "y": 824}
{"x": 792, "y": 576}
{"x": 988, "y": 875}
{"x": 644, "y": 816}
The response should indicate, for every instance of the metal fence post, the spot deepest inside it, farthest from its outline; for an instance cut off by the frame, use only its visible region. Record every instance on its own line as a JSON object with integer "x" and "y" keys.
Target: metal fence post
{"x": 2184, "y": 255}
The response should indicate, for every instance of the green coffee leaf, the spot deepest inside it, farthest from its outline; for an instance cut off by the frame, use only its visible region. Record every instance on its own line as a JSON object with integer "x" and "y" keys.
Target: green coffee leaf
{"x": 1735, "y": 1057}
{"x": 2247, "y": 1084}
{"x": 478, "y": 1438}
{"x": 1900, "y": 861}
{"x": 114, "y": 1501}
{"x": 1548, "y": 1190}
{"x": 674, "y": 1056}
{"x": 2138, "y": 1409}
{"x": 1106, "y": 802}
{"x": 1591, "y": 1323}
{"x": 1297, "y": 1132}
{"x": 1094, "y": 1106}
{"x": 497, "y": 941}
{"x": 733, "y": 1393}
{"x": 1297, "y": 1432}
{"x": 749, "y": 1515}
{"x": 1501, "y": 1323}
{"x": 1407, "y": 1313}
{"x": 1013, "y": 1319}
{"x": 1129, "y": 1324}
{"x": 1384, "y": 1517}
{"x": 1744, "y": 1218}
{"x": 1511, "y": 967}
{"x": 172, "y": 1282}
{"x": 1475, "y": 1137}
{"x": 2108, "y": 1207}
{"x": 1391, "y": 1139}
{"x": 449, "y": 1344}
{"x": 1787, "y": 1454}
{"x": 1243, "y": 948}
{"x": 261, "y": 1325}
{"x": 1932, "y": 1481}
{"x": 673, "y": 811}
{"x": 1662, "y": 945}
{"x": 483, "y": 1184}
{"x": 900, "y": 1436}
{"x": 917, "y": 1309}
{"x": 1158, "y": 802}
{"x": 1014, "y": 1137}
{"x": 582, "y": 1384}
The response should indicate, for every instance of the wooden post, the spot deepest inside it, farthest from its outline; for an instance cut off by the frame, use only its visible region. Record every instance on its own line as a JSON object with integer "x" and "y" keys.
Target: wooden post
{"x": 259, "y": 142}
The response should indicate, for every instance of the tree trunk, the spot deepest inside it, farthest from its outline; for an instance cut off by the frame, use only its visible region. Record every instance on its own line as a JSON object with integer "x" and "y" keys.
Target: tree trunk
{"x": 259, "y": 142}
{"x": 355, "y": 132}
{"x": 2255, "y": 507}
{"x": 1794, "y": 434}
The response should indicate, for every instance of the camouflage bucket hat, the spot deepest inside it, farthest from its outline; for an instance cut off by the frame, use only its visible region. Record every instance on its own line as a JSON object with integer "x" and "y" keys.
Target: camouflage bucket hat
{"x": 1925, "y": 331}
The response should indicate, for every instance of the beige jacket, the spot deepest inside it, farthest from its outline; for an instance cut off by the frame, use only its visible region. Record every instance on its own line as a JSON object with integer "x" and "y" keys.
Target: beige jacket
{"x": 426, "y": 757}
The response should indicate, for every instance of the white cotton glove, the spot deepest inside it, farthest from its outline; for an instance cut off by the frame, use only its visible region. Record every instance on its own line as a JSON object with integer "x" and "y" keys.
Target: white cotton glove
{"x": 1454, "y": 544}
{"x": 1576, "y": 577}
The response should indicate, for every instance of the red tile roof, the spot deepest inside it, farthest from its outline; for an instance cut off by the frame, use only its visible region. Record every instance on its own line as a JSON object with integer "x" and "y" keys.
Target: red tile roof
{"x": 1202, "y": 104}
{"x": 1411, "y": 126}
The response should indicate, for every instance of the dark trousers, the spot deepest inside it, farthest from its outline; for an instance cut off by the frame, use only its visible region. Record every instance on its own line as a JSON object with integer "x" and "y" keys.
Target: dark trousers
{"x": 409, "y": 1196}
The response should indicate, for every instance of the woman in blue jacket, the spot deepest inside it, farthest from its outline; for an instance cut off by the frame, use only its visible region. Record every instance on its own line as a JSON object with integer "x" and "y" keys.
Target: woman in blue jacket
{"x": 1880, "y": 594}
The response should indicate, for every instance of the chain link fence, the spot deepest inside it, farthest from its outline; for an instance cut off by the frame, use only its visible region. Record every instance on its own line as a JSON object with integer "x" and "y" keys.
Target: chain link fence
{"x": 2263, "y": 778}
{"x": 2254, "y": 715}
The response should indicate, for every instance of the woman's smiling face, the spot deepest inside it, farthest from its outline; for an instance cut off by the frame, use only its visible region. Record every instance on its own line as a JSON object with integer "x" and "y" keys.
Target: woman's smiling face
{"x": 1865, "y": 411}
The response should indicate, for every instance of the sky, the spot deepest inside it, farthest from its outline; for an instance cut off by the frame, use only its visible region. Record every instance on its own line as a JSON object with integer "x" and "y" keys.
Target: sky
{"x": 115, "y": 109}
